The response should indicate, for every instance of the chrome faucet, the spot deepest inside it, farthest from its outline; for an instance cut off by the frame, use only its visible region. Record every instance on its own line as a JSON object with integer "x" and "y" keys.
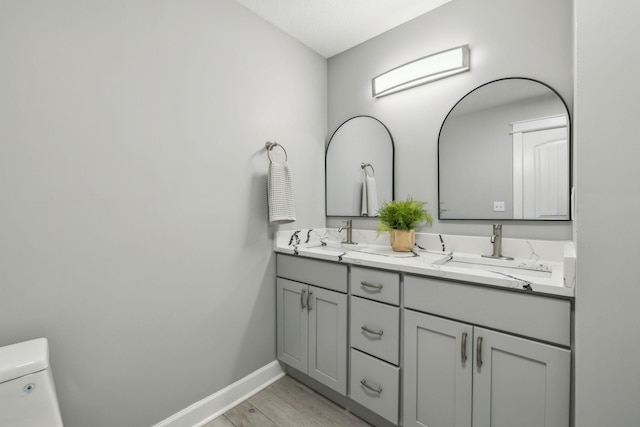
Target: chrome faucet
{"x": 496, "y": 240}
{"x": 349, "y": 227}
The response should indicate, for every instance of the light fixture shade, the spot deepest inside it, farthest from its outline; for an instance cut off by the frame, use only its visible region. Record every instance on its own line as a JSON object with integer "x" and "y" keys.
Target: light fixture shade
{"x": 424, "y": 70}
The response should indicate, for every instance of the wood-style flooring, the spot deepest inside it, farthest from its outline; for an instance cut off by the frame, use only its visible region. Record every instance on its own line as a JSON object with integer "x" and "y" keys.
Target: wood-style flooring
{"x": 287, "y": 403}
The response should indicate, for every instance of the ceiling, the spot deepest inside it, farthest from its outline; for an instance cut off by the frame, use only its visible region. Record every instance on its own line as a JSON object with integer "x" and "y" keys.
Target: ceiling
{"x": 333, "y": 26}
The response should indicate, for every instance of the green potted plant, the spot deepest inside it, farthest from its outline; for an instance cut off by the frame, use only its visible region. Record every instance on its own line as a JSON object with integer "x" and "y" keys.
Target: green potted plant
{"x": 400, "y": 218}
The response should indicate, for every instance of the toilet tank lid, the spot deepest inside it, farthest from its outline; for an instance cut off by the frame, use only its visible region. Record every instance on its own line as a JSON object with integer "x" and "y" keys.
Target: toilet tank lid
{"x": 18, "y": 360}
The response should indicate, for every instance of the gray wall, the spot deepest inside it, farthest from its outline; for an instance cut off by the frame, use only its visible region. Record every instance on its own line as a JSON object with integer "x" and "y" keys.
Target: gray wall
{"x": 608, "y": 198}
{"x": 133, "y": 227}
{"x": 468, "y": 187}
{"x": 528, "y": 38}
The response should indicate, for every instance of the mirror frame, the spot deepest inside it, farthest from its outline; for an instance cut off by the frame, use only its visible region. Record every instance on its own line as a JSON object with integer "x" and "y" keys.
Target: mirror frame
{"x": 569, "y": 147}
{"x": 393, "y": 168}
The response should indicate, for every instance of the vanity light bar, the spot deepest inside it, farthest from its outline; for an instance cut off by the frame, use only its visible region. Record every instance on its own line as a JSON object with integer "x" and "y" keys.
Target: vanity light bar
{"x": 420, "y": 71}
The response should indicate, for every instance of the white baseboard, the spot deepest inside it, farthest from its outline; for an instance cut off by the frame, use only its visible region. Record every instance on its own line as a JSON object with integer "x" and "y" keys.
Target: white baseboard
{"x": 200, "y": 413}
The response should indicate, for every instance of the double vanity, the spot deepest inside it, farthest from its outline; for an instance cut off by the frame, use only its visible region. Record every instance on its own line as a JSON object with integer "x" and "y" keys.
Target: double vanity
{"x": 441, "y": 336}
{"x": 463, "y": 331}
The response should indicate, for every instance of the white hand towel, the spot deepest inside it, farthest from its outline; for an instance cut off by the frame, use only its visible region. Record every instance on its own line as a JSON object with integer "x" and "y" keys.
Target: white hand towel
{"x": 364, "y": 205}
{"x": 369, "y": 203}
{"x": 372, "y": 196}
{"x": 280, "y": 194}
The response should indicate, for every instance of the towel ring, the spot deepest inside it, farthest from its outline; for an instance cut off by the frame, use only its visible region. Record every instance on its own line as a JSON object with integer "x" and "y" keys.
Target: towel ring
{"x": 270, "y": 145}
{"x": 364, "y": 166}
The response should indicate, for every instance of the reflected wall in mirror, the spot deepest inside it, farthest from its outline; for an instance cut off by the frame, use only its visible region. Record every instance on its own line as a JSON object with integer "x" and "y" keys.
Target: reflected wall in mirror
{"x": 504, "y": 153}
{"x": 359, "y": 168}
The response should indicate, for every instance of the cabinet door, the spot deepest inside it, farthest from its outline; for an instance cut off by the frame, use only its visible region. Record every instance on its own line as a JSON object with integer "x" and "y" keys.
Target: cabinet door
{"x": 437, "y": 372}
{"x": 292, "y": 323}
{"x": 520, "y": 382}
{"x": 328, "y": 338}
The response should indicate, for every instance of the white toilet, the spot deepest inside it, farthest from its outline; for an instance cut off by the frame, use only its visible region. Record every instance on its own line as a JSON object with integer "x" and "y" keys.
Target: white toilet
{"x": 27, "y": 393}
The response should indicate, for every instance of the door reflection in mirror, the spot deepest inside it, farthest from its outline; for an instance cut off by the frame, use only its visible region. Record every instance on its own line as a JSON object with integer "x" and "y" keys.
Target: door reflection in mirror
{"x": 540, "y": 168}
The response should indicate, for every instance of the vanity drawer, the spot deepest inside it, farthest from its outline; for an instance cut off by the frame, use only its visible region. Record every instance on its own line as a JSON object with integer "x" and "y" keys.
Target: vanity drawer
{"x": 381, "y": 339}
{"x": 329, "y": 275}
{"x": 535, "y": 316}
{"x": 378, "y": 285}
{"x": 381, "y": 392}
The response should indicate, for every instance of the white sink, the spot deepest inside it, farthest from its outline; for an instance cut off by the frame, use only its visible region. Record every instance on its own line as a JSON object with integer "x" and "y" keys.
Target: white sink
{"x": 334, "y": 248}
{"x": 516, "y": 268}
{"x": 384, "y": 251}
{"x": 339, "y": 248}
{"x": 323, "y": 249}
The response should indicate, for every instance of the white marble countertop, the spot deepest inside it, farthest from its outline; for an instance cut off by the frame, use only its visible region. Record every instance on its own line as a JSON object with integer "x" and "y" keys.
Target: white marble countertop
{"x": 539, "y": 266}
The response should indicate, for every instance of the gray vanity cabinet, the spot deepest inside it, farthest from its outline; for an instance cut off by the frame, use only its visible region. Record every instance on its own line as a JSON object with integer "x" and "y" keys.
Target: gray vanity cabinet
{"x": 457, "y": 374}
{"x": 423, "y": 351}
{"x": 312, "y": 320}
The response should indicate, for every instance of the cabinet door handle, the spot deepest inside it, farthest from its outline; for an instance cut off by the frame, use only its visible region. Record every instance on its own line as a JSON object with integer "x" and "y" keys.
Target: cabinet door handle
{"x": 309, "y": 301}
{"x": 464, "y": 348}
{"x": 479, "y": 352}
{"x": 371, "y": 331}
{"x": 302, "y": 299}
{"x": 375, "y": 390}
{"x": 371, "y": 285}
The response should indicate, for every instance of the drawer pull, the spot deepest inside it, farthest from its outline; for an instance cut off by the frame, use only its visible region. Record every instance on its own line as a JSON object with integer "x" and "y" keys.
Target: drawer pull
{"x": 371, "y": 331}
{"x": 308, "y": 301}
{"x": 302, "y": 299}
{"x": 479, "y": 353}
{"x": 371, "y": 285}
{"x": 375, "y": 390}
{"x": 464, "y": 348}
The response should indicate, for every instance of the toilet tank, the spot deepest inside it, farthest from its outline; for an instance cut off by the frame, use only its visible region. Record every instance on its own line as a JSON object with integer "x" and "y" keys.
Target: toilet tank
{"x": 27, "y": 393}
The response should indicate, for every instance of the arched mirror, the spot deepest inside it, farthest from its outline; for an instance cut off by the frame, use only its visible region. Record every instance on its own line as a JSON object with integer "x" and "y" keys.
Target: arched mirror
{"x": 359, "y": 168}
{"x": 504, "y": 152}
